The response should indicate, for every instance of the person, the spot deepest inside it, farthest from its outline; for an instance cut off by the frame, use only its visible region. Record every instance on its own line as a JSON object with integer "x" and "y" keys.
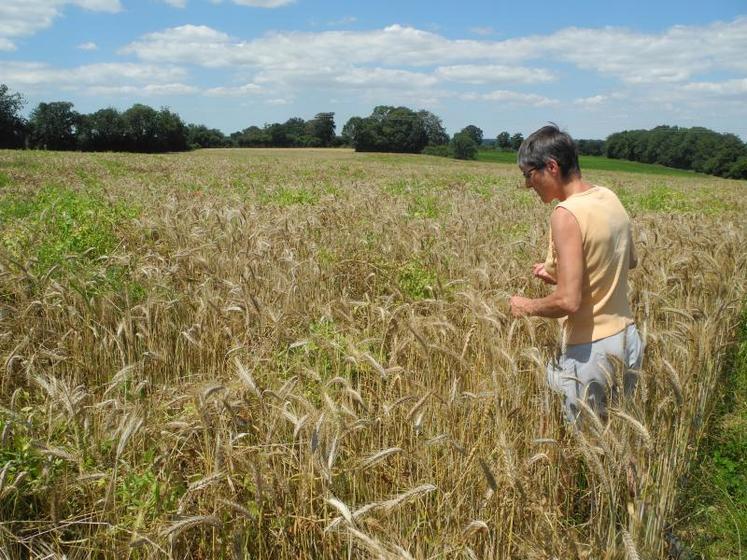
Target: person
{"x": 589, "y": 255}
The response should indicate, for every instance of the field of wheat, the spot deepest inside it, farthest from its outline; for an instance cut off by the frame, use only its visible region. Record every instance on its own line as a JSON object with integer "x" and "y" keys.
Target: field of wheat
{"x": 308, "y": 354}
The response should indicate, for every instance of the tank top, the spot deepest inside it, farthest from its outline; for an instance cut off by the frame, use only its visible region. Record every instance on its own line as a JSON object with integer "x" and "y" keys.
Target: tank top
{"x": 608, "y": 251}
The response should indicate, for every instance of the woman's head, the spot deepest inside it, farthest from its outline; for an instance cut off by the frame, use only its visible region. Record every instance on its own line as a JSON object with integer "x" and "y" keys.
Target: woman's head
{"x": 547, "y": 143}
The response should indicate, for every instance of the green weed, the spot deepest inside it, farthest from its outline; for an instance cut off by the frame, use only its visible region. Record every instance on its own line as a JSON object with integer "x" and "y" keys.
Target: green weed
{"x": 424, "y": 205}
{"x": 662, "y": 199}
{"x": 143, "y": 493}
{"x": 287, "y": 196}
{"x": 417, "y": 281}
{"x": 62, "y": 227}
{"x": 28, "y": 471}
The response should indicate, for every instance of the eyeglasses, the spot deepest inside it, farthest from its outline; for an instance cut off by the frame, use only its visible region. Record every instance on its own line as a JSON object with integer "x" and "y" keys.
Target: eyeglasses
{"x": 528, "y": 174}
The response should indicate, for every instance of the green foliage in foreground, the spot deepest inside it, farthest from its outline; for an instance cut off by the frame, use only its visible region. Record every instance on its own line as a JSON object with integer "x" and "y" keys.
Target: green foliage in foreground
{"x": 595, "y": 163}
{"x": 62, "y": 228}
{"x": 717, "y": 499}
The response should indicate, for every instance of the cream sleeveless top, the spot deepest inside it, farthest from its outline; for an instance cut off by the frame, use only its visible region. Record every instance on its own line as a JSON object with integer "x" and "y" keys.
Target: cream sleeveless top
{"x": 608, "y": 252}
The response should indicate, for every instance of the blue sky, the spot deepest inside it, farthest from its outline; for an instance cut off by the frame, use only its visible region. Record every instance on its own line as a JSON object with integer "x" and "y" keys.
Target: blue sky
{"x": 592, "y": 67}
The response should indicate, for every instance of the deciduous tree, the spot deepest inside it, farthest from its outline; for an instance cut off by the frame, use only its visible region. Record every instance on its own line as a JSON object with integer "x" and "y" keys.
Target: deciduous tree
{"x": 12, "y": 124}
{"x": 54, "y": 125}
{"x": 474, "y": 132}
{"x": 463, "y": 146}
{"x": 503, "y": 141}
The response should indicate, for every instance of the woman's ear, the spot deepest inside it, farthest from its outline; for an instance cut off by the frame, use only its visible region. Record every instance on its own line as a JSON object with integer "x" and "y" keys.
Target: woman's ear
{"x": 553, "y": 167}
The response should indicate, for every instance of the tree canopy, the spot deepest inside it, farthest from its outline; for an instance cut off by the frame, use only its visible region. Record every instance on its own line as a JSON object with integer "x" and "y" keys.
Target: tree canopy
{"x": 463, "y": 145}
{"x": 318, "y": 132}
{"x": 473, "y": 132}
{"x": 503, "y": 141}
{"x": 697, "y": 148}
{"x": 12, "y": 125}
{"x": 389, "y": 129}
{"x": 53, "y": 126}
{"x": 434, "y": 129}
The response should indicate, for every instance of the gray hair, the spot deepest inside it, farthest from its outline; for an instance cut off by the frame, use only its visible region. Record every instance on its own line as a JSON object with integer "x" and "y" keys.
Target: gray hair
{"x": 547, "y": 143}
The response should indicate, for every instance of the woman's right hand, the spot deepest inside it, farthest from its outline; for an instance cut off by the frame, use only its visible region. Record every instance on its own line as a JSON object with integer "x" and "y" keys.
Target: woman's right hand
{"x": 538, "y": 270}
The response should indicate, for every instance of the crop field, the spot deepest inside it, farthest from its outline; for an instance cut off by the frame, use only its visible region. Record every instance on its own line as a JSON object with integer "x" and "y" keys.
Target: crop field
{"x": 309, "y": 354}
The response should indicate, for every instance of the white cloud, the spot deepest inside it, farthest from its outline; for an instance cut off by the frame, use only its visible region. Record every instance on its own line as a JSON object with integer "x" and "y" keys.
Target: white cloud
{"x": 385, "y": 78}
{"x": 493, "y": 73}
{"x": 513, "y": 97}
{"x": 112, "y": 6}
{"x": 725, "y": 88}
{"x": 240, "y": 91}
{"x": 6, "y": 45}
{"x": 393, "y": 45}
{"x": 39, "y": 75}
{"x": 636, "y": 58}
{"x": 147, "y": 90}
{"x": 20, "y": 18}
{"x": 592, "y": 101}
{"x": 194, "y": 44}
{"x": 89, "y": 46}
{"x": 674, "y": 55}
{"x": 176, "y": 3}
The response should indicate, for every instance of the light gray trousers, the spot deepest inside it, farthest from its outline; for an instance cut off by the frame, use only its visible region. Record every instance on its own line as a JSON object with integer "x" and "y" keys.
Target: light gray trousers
{"x": 587, "y": 371}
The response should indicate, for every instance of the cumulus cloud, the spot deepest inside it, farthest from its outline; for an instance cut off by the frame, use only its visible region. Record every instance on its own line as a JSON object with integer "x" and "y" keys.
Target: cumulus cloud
{"x": 110, "y": 79}
{"x": 21, "y": 18}
{"x": 39, "y": 75}
{"x": 89, "y": 46}
{"x": 195, "y": 44}
{"x": 492, "y": 73}
{"x": 177, "y": 3}
{"x": 726, "y": 88}
{"x": 147, "y": 90}
{"x": 511, "y": 97}
{"x": 393, "y": 45}
{"x": 240, "y": 91}
{"x": 112, "y": 6}
{"x": 638, "y": 58}
{"x": 592, "y": 101}
{"x": 385, "y": 78}
{"x": 674, "y": 55}
{"x": 6, "y": 45}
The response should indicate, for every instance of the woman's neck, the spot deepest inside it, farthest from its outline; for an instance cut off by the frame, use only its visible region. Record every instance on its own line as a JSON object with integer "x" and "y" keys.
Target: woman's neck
{"x": 575, "y": 185}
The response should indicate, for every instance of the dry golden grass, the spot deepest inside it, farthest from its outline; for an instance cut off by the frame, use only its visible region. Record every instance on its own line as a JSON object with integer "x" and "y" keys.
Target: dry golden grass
{"x": 307, "y": 354}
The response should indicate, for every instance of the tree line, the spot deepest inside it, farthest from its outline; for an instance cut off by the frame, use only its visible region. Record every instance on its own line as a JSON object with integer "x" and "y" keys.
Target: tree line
{"x": 698, "y": 149}
{"x": 57, "y": 126}
{"x": 400, "y": 129}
